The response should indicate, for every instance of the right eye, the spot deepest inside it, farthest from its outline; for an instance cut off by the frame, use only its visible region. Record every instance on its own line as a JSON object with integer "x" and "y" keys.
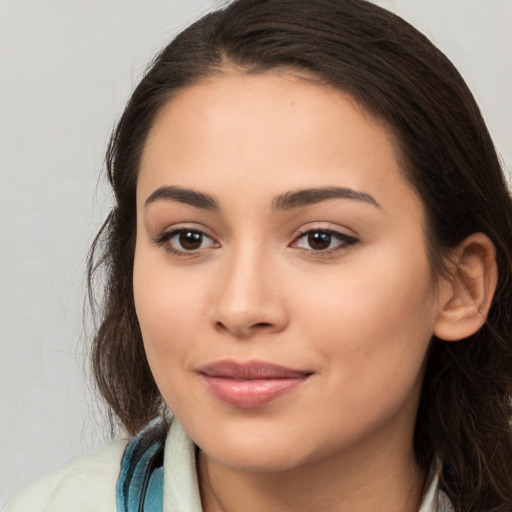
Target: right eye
{"x": 183, "y": 241}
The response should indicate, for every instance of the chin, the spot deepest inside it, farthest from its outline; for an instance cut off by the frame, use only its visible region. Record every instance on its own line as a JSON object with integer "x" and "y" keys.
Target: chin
{"x": 259, "y": 451}
{"x": 255, "y": 461}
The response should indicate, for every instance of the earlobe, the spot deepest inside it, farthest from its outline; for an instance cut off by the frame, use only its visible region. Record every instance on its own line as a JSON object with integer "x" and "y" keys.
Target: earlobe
{"x": 465, "y": 297}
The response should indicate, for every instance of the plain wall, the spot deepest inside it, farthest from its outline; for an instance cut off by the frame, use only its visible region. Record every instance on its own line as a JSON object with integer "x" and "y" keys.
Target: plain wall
{"x": 66, "y": 71}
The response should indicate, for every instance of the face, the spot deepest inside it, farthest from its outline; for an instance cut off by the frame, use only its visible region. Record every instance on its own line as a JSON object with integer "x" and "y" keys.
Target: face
{"x": 281, "y": 278}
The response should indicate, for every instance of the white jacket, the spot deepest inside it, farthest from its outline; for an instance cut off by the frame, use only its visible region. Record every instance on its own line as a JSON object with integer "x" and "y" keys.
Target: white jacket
{"x": 88, "y": 484}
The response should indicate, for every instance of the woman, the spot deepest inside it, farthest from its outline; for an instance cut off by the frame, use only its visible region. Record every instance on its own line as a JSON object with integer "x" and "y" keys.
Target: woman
{"x": 308, "y": 263}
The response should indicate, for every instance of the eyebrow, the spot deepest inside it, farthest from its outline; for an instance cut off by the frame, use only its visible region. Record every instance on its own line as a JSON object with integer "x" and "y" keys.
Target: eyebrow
{"x": 283, "y": 202}
{"x": 184, "y": 195}
{"x": 309, "y": 196}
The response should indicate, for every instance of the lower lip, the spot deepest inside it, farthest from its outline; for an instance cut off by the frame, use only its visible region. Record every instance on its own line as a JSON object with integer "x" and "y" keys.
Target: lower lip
{"x": 251, "y": 393}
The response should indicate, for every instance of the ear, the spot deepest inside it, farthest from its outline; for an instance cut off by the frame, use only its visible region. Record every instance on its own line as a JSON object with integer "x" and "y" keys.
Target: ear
{"x": 465, "y": 296}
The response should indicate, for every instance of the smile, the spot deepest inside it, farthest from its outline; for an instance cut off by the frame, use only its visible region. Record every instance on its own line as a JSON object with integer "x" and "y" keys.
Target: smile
{"x": 252, "y": 384}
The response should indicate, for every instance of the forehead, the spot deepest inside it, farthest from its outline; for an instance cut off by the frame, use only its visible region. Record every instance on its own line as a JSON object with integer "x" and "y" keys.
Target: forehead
{"x": 235, "y": 131}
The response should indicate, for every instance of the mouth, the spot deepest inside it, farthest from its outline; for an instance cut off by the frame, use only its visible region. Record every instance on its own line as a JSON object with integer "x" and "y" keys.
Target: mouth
{"x": 252, "y": 384}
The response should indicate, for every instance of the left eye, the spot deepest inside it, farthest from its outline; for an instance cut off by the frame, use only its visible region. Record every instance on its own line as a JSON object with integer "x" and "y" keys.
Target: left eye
{"x": 185, "y": 240}
{"x": 322, "y": 240}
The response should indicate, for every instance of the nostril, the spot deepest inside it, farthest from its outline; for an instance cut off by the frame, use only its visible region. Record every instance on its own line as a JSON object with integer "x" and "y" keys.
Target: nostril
{"x": 244, "y": 329}
{"x": 220, "y": 325}
{"x": 262, "y": 325}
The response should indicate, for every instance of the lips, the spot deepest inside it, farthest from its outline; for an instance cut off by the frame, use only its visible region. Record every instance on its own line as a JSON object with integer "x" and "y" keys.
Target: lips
{"x": 252, "y": 384}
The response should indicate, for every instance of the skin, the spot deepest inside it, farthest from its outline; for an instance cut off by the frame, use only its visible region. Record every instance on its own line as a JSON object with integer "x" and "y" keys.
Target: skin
{"x": 358, "y": 315}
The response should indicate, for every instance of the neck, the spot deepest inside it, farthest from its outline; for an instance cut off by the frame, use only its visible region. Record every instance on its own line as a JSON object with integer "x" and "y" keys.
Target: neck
{"x": 382, "y": 479}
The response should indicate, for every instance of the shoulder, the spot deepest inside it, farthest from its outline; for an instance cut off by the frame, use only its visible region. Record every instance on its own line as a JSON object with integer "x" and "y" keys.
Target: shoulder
{"x": 69, "y": 488}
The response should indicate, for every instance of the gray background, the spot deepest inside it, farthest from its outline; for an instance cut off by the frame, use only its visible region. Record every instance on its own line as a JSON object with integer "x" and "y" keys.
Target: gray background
{"x": 67, "y": 68}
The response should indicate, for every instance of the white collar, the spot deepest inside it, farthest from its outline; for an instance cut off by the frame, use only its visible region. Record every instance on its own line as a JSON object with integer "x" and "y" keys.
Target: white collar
{"x": 430, "y": 496}
{"x": 181, "y": 489}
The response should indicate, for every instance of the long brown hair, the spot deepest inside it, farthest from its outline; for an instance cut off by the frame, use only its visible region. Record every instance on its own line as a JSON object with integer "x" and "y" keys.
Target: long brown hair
{"x": 448, "y": 156}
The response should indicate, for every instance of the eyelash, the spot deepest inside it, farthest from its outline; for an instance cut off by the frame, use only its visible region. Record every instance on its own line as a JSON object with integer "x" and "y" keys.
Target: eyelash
{"x": 165, "y": 238}
{"x": 345, "y": 242}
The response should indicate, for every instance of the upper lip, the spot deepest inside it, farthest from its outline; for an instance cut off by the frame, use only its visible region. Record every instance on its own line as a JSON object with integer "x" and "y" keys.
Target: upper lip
{"x": 250, "y": 370}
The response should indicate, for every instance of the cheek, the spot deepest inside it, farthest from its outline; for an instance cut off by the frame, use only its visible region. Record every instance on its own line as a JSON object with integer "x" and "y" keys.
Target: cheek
{"x": 168, "y": 307}
{"x": 167, "y": 324}
{"x": 374, "y": 325}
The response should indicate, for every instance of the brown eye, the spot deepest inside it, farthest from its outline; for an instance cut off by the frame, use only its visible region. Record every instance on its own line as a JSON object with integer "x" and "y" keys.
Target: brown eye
{"x": 190, "y": 240}
{"x": 319, "y": 241}
{"x": 183, "y": 242}
{"x": 324, "y": 241}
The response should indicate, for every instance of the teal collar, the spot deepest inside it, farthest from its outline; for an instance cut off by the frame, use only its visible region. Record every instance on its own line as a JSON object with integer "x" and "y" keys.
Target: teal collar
{"x": 140, "y": 484}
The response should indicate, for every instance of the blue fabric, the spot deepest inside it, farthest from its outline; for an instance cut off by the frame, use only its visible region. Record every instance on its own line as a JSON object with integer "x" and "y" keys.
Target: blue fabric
{"x": 155, "y": 492}
{"x": 140, "y": 484}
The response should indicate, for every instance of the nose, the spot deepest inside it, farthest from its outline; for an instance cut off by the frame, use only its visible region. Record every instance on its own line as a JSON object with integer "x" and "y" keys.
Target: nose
{"x": 250, "y": 298}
